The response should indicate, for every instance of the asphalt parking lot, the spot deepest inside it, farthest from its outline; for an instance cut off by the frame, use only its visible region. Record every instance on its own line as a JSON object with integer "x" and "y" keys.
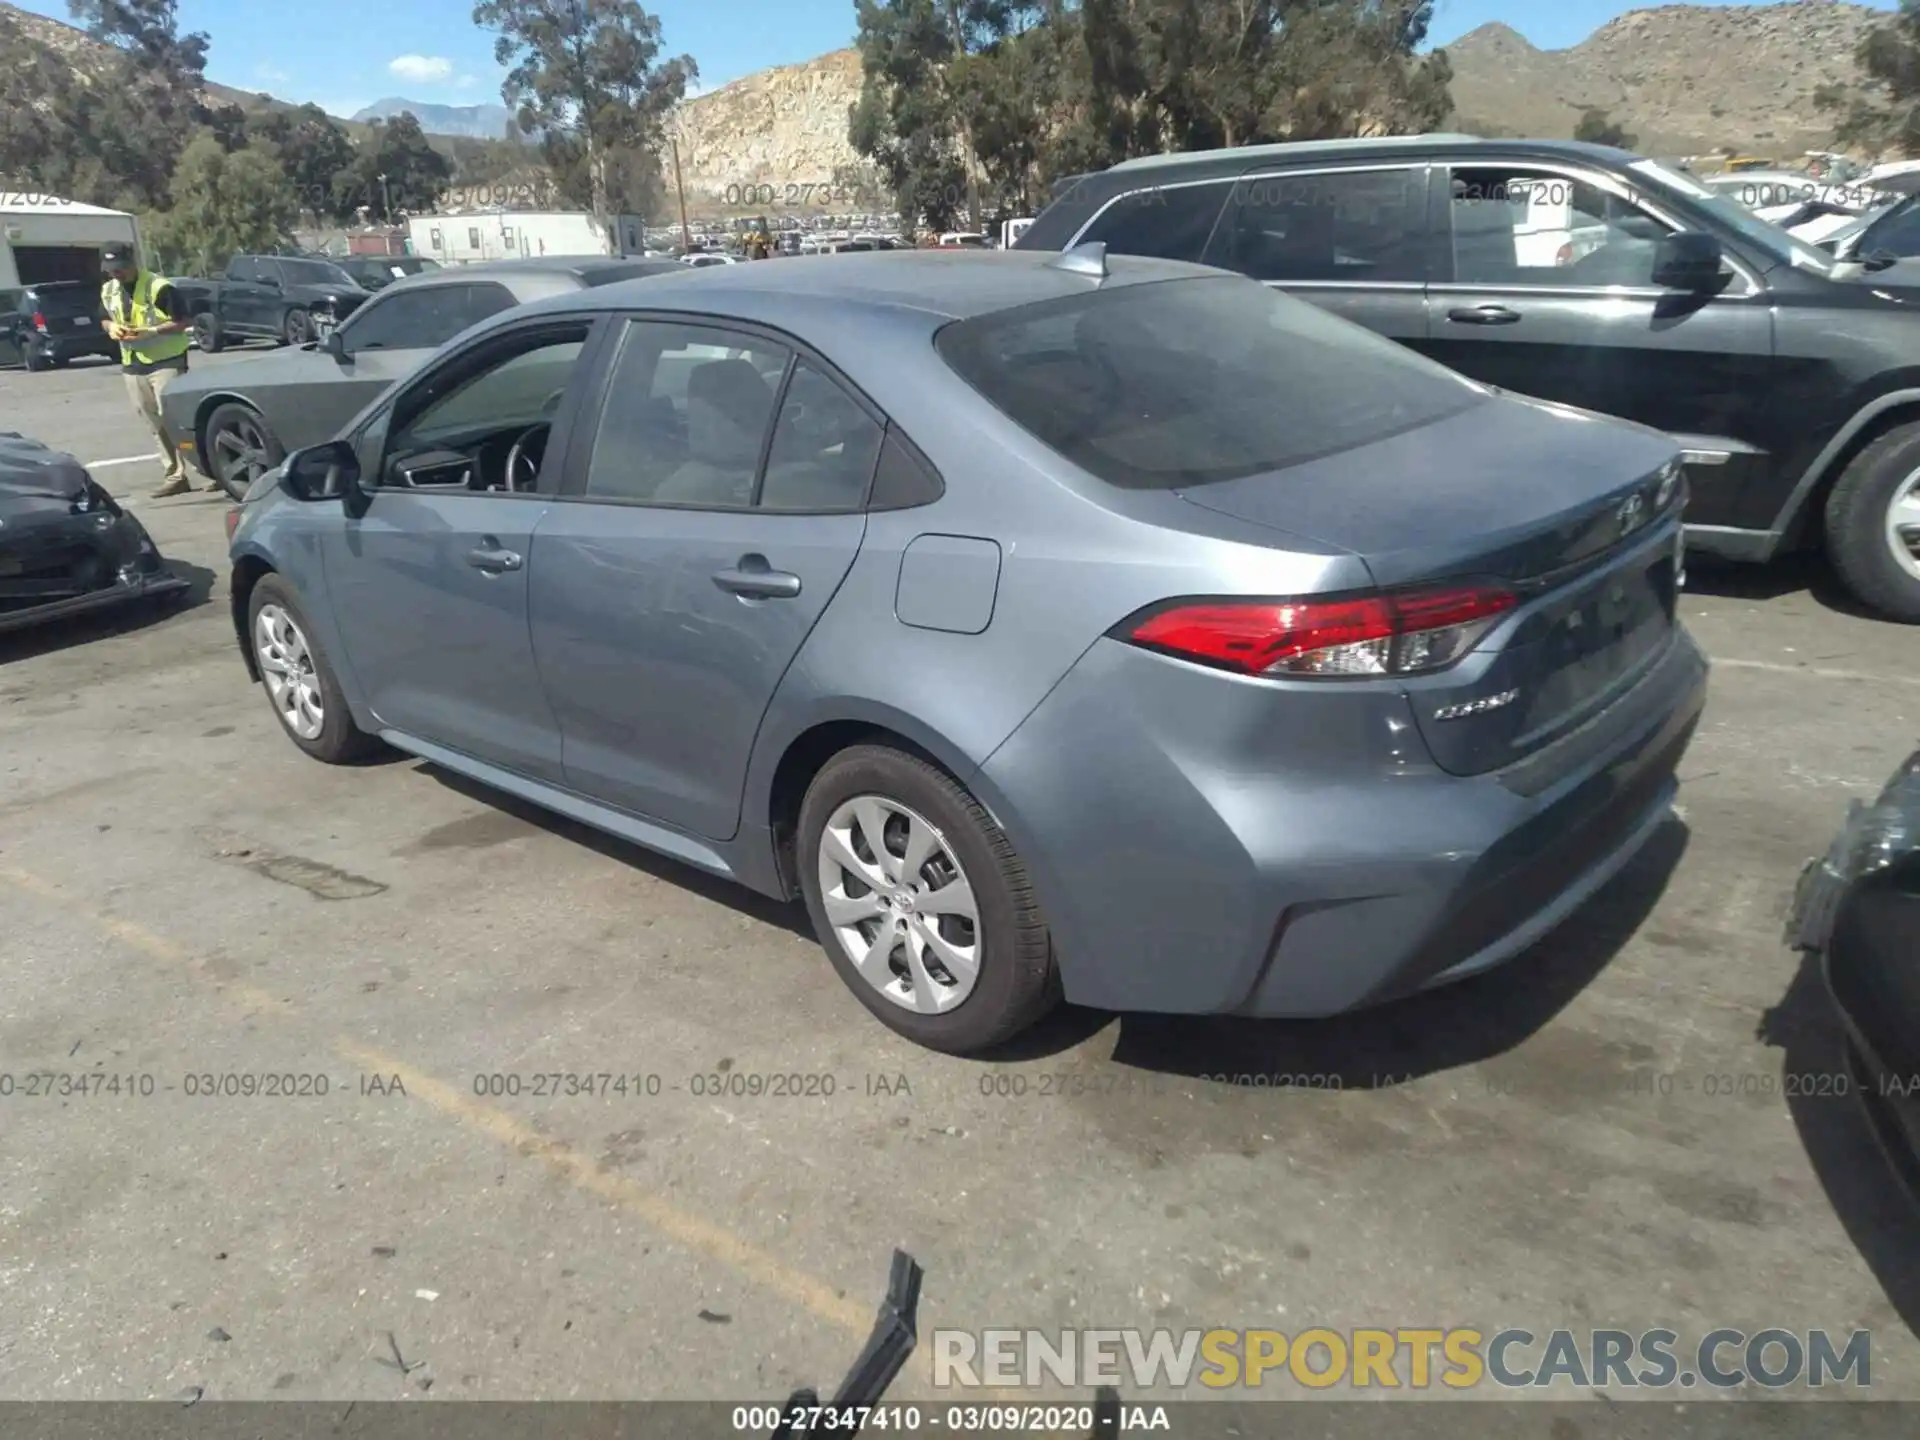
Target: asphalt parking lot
{"x": 1599, "y": 1134}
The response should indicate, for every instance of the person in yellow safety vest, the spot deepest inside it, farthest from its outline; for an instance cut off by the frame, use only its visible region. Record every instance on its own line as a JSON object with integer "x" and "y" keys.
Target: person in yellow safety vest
{"x": 144, "y": 317}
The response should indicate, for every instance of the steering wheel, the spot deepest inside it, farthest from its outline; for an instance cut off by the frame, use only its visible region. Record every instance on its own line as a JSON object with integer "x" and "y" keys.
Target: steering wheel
{"x": 523, "y": 460}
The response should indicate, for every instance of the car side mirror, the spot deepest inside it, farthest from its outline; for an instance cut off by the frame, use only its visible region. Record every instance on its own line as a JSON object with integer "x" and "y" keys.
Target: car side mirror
{"x": 1687, "y": 260}
{"x": 334, "y": 345}
{"x": 321, "y": 472}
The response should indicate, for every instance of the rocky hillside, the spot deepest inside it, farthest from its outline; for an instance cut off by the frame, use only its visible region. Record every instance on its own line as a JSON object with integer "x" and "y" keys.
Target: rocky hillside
{"x": 776, "y": 139}
{"x": 1683, "y": 79}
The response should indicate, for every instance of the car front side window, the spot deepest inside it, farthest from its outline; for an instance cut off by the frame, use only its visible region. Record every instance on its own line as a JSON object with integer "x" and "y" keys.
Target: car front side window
{"x": 1513, "y": 226}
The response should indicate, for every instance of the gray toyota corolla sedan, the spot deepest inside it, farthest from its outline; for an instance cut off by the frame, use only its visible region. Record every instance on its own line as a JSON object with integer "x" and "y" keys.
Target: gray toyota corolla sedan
{"x": 1055, "y": 625}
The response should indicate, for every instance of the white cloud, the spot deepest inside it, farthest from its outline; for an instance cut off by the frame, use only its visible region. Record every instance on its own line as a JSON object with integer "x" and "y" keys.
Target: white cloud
{"x": 421, "y": 67}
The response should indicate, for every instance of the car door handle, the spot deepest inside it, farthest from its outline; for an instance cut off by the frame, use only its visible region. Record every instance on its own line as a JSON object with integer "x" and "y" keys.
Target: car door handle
{"x": 1485, "y": 315}
{"x": 493, "y": 561}
{"x": 753, "y": 579}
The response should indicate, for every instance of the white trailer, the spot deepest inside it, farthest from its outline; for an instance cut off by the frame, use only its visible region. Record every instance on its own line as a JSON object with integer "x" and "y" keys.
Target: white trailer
{"x": 44, "y": 238}
{"x": 471, "y": 237}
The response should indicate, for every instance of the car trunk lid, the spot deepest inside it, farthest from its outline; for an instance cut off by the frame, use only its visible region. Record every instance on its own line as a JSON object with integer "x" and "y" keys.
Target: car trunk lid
{"x": 1557, "y": 506}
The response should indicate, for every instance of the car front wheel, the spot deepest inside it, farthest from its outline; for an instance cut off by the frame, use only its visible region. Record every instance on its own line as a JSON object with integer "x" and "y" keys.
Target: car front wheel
{"x": 1873, "y": 525}
{"x": 300, "y": 683}
{"x": 921, "y": 902}
{"x": 241, "y": 447}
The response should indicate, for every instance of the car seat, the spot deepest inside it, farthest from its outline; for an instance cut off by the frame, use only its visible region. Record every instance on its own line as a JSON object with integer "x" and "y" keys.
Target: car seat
{"x": 727, "y": 406}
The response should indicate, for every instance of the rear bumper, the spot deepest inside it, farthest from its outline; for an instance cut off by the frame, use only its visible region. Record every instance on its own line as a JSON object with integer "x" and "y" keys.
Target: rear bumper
{"x": 1330, "y": 864}
{"x": 71, "y": 347}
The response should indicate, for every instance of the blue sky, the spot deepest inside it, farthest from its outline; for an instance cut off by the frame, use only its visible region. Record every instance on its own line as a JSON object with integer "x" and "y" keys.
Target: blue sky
{"x": 344, "y": 54}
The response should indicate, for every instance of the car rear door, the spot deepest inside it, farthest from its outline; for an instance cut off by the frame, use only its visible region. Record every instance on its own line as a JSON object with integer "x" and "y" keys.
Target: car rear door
{"x": 1592, "y": 329}
{"x": 241, "y": 296}
{"x": 698, "y": 542}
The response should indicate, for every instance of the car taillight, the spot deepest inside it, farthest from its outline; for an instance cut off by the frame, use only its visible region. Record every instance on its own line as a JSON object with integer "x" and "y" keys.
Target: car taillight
{"x": 1401, "y": 633}
{"x": 1564, "y": 255}
{"x": 39, "y": 322}
{"x": 233, "y": 521}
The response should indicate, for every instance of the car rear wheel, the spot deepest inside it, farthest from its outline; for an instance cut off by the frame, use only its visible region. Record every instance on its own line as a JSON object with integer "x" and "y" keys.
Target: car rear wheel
{"x": 921, "y": 902}
{"x": 299, "y": 682}
{"x": 206, "y": 333}
{"x": 1873, "y": 525}
{"x": 297, "y": 328}
{"x": 241, "y": 447}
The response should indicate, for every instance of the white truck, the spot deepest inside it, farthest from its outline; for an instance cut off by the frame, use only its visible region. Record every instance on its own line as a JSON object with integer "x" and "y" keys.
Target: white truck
{"x": 44, "y": 238}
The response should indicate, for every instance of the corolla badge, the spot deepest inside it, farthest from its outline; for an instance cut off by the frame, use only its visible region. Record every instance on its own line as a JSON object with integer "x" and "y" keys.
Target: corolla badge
{"x": 1476, "y": 707}
{"x": 1630, "y": 513}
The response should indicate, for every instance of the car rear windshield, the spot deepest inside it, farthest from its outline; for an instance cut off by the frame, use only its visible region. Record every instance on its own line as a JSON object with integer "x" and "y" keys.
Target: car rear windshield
{"x": 65, "y": 299}
{"x": 314, "y": 272}
{"x": 1188, "y": 382}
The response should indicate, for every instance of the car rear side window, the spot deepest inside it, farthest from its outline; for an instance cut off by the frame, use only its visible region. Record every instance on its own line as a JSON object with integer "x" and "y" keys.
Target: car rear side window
{"x": 1187, "y": 382}
{"x": 423, "y": 317}
{"x": 1361, "y": 225}
{"x": 1164, "y": 222}
{"x": 685, "y": 417}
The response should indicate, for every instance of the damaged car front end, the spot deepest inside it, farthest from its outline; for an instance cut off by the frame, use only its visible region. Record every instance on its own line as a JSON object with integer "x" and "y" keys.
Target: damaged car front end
{"x": 1858, "y": 911}
{"x": 66, "y": 546}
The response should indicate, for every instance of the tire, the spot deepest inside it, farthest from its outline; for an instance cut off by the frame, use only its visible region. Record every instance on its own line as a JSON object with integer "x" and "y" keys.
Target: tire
{"x": 337, "y": 740}
{"x": 1015, "y": 980}
{"x": 296, "y": 327}
{"x": 1858, "y": 520}
{"x": 206, "y": 333}
{"x": 240, "y": 447}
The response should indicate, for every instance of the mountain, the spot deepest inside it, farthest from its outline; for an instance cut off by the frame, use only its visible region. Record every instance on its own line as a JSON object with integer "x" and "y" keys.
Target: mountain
{"x": 776, "y": 140}
{"x": 1682, "y": 79}
{"x": 482, "y": 122}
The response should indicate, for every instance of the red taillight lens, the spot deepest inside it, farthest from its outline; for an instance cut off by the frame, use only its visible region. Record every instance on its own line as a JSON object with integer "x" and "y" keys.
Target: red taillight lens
{"x": 39, "y": 322}
{"x": 1564, "y": 255}
{"x": 1406, "y": 633}
{"x": 233, "y": 522}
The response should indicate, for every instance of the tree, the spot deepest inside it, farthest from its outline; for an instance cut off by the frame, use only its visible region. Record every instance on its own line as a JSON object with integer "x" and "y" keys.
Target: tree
{"x": 1884, "y": 114}
{"x": 135, "y": 119}
{"x": 1596, "y": 127}
{"x": 931, "y": 70}
{"x": 398, "y": 149}
{"x": 224, "y": 204}
{"x": 588, "y": 78}
{"x": 315, "y": 149}
{"x": 31, "y": 85}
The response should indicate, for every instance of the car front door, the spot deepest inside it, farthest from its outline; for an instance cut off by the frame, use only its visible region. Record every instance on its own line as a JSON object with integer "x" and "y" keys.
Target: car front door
{"x": 429, "y": 580}
{"x": 1354, "y": 241}
{"x": 1548, "y": 291}
{"x": 679, "y": 578}
{"x": 385, "y": 340}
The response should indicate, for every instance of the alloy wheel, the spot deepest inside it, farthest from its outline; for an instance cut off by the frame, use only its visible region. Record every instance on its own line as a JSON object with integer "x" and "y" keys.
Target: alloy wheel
{"x": 240, "y": 455}
{"x": 1903, "y": 525}
{"x": 299, "y": 327}
{"x": 286, "y": 665}
{"x": 900, "y": 906}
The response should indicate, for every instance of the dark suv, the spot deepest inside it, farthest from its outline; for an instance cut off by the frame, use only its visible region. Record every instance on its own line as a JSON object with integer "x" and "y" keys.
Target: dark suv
{"x": 1593, "y": 277}
{"x": 54, "y": 323}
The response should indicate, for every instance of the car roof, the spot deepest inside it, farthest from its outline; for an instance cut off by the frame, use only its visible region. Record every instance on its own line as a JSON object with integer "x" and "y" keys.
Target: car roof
{"x": 540, "y": 273}
{"x": 937, "y": 285}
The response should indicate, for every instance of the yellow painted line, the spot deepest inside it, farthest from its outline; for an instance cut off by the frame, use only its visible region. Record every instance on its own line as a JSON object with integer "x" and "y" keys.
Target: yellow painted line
{"x": 693, "y": 1232}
